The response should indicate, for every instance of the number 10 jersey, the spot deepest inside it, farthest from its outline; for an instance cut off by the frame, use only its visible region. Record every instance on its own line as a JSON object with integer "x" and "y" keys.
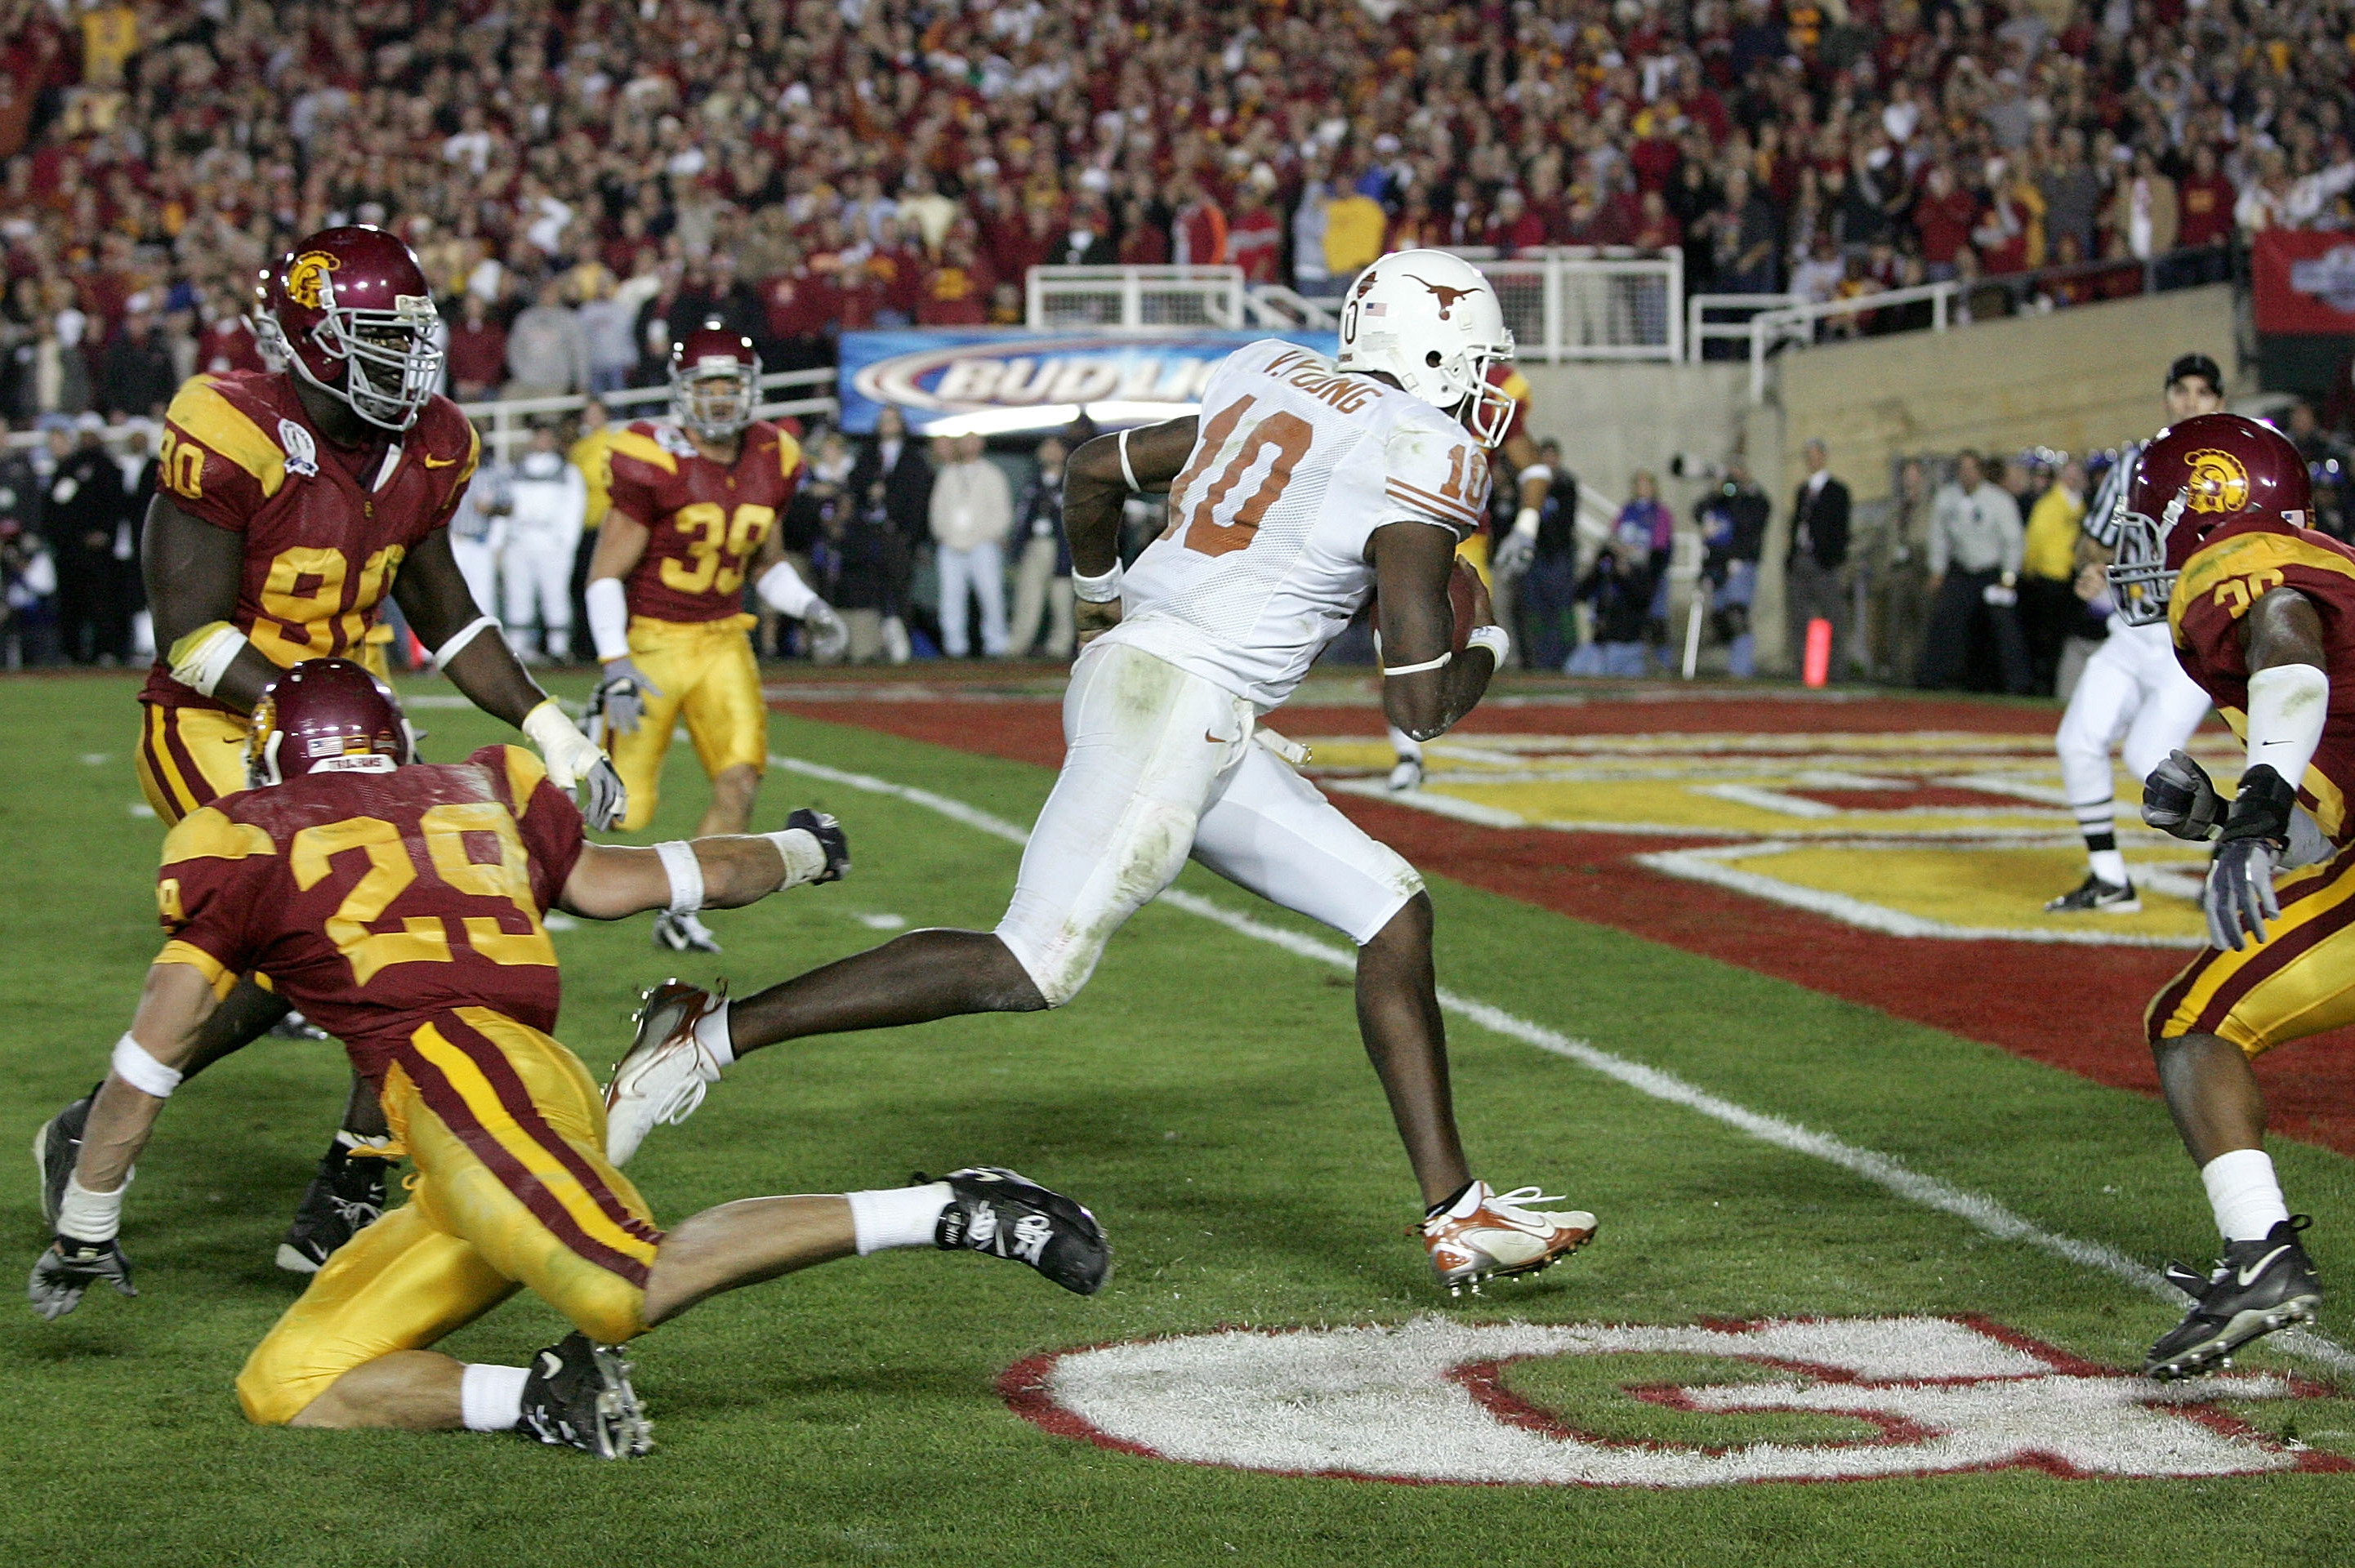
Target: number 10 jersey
{"x": 1264, "y": 558}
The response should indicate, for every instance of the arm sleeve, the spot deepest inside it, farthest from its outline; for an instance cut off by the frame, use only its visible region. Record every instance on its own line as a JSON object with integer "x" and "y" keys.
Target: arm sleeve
{"x": 214, "y": 876}
{"x": 1433, "y": 472}
{"x": 545, "y": 816}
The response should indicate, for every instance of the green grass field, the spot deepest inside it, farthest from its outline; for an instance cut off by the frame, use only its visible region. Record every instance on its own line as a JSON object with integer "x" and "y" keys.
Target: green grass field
{"x": 1208, "y": 1099}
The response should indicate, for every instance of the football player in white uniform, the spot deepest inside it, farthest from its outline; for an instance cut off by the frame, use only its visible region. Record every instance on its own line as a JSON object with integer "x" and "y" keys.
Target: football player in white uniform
{"x": 2133, "y": 695}
{"x": 1304, "y": 487}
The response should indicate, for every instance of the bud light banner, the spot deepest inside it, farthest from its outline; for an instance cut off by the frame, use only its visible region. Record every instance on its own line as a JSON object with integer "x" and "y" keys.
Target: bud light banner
{"x": 1009, "y": 382}
{"x": 2304, "y": 281}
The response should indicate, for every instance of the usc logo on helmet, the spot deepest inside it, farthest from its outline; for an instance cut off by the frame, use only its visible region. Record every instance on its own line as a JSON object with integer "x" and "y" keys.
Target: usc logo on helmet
{"x": 307, "y": 278}
{"x": 2218, "y": 483}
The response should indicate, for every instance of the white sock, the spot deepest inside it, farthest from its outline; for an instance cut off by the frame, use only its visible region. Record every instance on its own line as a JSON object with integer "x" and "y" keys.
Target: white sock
{"x": 897, "y": 1216}
{"x": 491, "y": 1398}
{"x": 2246, "y": 1197}
{"x": 1471, "y": 1198}
{"x": 1409, "y": 749}
{"x": 711, "y": 1033}
{"x": 2110, "y": 865}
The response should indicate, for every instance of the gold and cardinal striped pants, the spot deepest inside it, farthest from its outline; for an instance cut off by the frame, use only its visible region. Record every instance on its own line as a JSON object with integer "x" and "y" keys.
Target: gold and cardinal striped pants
{"x": 2299, "y": 982}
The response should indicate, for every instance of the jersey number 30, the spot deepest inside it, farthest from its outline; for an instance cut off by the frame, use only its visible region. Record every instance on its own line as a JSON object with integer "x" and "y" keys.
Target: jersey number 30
{"x": 1285, "y": 434}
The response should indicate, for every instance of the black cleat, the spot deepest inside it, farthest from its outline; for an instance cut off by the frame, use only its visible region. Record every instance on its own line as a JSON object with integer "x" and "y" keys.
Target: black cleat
{"x": 55, "y": 1148}
{"x": 830, "y": 837}
{"x": 2093, "y": 896}
{"x": 344, "y": 1199}
{"x": 579, "y": 1396}
{"x": 294, "y": 1026}
{"x": 1006, "y": 1214}
{"x": 2257, "y": 1287}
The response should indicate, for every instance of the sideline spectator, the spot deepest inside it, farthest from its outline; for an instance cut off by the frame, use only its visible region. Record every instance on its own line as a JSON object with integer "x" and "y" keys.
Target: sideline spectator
{"x": 1976, "y": 544}
{"x": 1546, "y": 592}
{"x": 1042, "y": 573}
{"x": 1733, "y": 522}
{"x": 83, "y": 508}
{"x": 1617, "y": 589}
{"x": 1647, "y": 514}
{"x": 972, "y": 512}
{"x": 1815, "y": 587}
{"x": 2050, "y": 610}
{"x": 548, "y": 500}
{"x": 477, "y": 358}
{"x": 892, "y": 483}
{"x": 548, "y": 354}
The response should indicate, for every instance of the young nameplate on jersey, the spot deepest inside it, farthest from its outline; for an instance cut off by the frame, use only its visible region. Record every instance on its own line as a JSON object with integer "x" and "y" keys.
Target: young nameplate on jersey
{"x": 402, "y": 905}
{"x": 1305, "y": 488}
{"x": 2215, "y": 544}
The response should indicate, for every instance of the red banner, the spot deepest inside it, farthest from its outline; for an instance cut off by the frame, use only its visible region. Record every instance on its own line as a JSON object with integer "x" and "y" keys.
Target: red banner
{"x": 2304, "y": 281}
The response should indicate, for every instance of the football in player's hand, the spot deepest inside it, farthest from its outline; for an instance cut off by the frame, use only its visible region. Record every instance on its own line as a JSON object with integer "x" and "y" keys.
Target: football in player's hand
{"x": 1468, "y": 596}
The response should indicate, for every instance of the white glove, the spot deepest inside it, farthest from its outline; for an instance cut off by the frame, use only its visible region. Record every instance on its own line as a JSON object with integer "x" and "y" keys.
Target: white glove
{"x": 574, "y": 760}
{"x": 1516, "y": 549}
{"x": 828, "y": 637}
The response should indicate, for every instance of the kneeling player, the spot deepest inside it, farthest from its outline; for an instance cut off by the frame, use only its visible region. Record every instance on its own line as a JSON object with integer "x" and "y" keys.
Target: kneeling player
{"x": 1303, "y": 486}
{"x": 399, "y": 904}
{"x": 2263, "y": 615}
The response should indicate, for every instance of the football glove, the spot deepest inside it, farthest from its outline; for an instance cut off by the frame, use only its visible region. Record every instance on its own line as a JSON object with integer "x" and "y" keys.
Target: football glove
{"x": 67, "y": 1267}
{"x": 828, "y": 636}
{"x": 2239, "y": 898}
{"x": 572, "y": 760}
{"x": 1515, "y": 550}
{"x": 620, "y": 695}
{"x": 2179, "y": 798}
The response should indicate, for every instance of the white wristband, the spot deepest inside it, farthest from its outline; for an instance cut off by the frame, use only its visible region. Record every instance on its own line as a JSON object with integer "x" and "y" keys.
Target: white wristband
{"x": 804, "y": 857}
{"x": 468, "y": 633}
{"x": 608, "y": 618}
{"x": 782, "y": 589}
{"x": 202, "y": 657}
{"x": 87, "y": 1216}
{"x": 686, "y": 873}
{"x": 1494, "y": 639}
{"x": 2287, "y": 705}
{"x": 1127, "y": 471}
{"x": 134, "y": 1067}
{"x": 1525, "y": 523}
{"x": 1097, "y": 590}
{"x": 1439, "y": 664}
{"x": 1534, "y": 471}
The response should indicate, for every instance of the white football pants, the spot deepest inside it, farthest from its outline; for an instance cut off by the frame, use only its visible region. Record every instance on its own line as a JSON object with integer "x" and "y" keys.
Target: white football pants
{"x": 2133, "y": 692}
{"x": 1160, "y": 764}
{"x": 539, "y": 577}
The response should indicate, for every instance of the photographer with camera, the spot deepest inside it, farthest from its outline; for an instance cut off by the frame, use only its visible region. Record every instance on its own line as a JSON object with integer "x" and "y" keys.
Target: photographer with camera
{"x": 1733, "y": 520}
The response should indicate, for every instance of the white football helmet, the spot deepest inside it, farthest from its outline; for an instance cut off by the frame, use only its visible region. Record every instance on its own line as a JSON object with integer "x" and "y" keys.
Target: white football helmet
{"x": 1433, "y": 321}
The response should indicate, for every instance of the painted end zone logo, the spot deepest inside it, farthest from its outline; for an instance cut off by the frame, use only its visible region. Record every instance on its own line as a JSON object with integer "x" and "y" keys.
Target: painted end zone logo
{"x": 1426, "y": 1401}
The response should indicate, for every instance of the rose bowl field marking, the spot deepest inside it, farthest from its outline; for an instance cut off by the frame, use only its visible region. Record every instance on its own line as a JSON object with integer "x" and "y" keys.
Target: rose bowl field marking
{"x": 1977, "y": 1208}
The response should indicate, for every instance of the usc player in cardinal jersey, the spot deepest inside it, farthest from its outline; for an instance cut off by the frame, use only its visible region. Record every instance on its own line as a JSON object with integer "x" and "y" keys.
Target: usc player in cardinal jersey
{"x": 289, "y": 506}
{"x": 694, "y": 500}
{"x": 2216, "y": 541}
{"x": 402, "y": 904}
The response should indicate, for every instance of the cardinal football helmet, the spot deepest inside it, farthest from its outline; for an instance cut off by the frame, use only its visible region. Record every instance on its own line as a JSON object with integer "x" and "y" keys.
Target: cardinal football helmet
{"x": 349, "y": 311}
{"x": 2192, "y": 479}
{"x": 1432, "y": 322}
{"x": 325, "y": 715}
{"x": 715, "y": 380}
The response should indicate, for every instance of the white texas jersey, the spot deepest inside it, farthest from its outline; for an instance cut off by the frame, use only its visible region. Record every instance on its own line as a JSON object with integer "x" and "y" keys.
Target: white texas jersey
{"x": 1263, "y": 561}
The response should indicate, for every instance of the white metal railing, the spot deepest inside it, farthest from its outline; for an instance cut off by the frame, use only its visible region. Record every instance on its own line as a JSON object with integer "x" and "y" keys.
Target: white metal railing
{"x": 506, "y": 422}
{"x": 1573, "y": 303}
{"x": 1700, "y": 330}
{"x": 1274, "y": 305}
{"x": 1067, "y": 298}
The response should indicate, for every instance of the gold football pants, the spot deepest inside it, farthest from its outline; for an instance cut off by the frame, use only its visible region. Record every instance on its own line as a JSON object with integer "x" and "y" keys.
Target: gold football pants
{"x": 512, "y": 1189}
{"x": 187, "y": 758}
{"x": 2300, "y": 980}
{"x": 703, "y": 672}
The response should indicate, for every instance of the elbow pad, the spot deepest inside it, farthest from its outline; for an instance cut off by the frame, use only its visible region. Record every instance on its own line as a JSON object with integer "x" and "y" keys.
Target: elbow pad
{"x": 782, "y": 589}
{"x": 202, "y": 657}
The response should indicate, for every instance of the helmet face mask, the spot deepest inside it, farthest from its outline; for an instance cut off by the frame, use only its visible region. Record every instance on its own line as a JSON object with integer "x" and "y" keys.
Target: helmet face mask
{"x": 349, "y": 311}
{"x": 715, "y": 383}
{"x": 325, "y": 715}
{"x": 1431, "y": 322}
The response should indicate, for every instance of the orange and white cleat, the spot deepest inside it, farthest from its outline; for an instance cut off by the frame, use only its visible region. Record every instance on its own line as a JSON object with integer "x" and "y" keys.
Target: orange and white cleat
{"x": 681, "y": 1046}
{"x": 1485, "y": 1234}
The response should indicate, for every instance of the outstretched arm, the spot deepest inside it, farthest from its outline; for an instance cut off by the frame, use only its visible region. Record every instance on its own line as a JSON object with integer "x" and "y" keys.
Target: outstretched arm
{"x": 191, "y": 571}
{"x": 1430, "y": 689}
{"x": 173, "y": 1007}
{"x": 612, "y": 881}
{"x": 1534, "y": 480}
{"x": 1097, "y": 483}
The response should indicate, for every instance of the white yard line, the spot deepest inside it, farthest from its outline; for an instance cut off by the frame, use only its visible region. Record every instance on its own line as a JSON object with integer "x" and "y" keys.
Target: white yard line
{"x": 1977, "y": 1208}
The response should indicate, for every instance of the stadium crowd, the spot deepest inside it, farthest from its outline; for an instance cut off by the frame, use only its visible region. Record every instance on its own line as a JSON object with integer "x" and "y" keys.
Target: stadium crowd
{"x": 584, "y": 182}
